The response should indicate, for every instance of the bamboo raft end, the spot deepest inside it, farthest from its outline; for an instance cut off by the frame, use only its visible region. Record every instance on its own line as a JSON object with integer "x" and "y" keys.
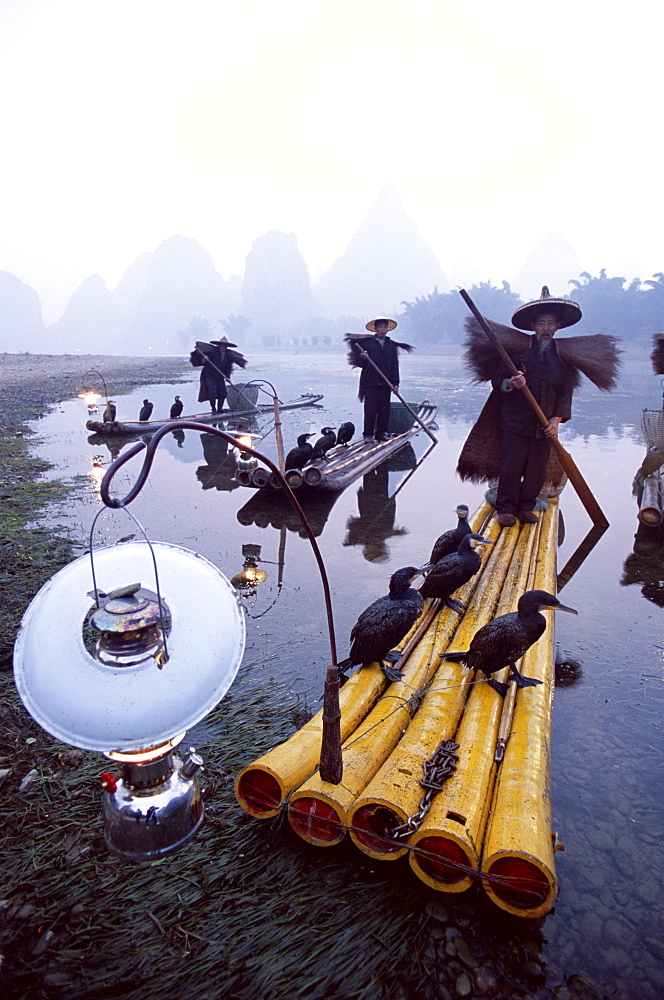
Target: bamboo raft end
{"x": 520, "y": 883}
{"x": 315, "y": 819}
{"x": 444, "y": 862}
{"x": 259, "y": 791}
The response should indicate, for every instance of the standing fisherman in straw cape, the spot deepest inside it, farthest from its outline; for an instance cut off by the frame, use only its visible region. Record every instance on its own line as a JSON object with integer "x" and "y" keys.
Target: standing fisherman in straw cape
{"x": 373, "y": 390}
{"x": 508, "y": 442}
{"x": 217, "y": 360}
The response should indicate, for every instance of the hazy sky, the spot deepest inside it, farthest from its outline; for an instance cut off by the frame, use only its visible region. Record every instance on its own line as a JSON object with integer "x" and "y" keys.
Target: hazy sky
{"x": 498, "y": 121}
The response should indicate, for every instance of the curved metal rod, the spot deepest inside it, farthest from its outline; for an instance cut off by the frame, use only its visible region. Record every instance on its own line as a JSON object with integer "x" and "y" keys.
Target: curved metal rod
{"x": 194, "y": 425}
{"x": 95, "y": 371}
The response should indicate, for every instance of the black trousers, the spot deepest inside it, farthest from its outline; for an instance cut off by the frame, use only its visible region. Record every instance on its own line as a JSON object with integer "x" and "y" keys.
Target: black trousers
{"x": 522, "y": 472}
{"x": 376, "y": 409}
{"x": 216, "y": 389}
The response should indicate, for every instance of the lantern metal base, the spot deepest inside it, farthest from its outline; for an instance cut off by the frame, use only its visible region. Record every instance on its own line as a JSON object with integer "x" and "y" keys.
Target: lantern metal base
{"x": 155, "y": 809}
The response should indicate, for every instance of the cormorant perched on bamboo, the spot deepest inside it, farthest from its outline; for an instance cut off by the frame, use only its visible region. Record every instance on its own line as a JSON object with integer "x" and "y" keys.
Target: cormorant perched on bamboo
{"x": 109, "y": 412}
{"x": 501, "y": 642}
{"x": 384, "y": 624}
{"x": 176, "y": 408}
{"x": 345, "y": 433}
{"x": 324, "y": 443}
{"x": 449, "y": 541}
{"x": 146, "y": 410}
{"x": 299, "y": 456}
{"x": 452, "y": 571}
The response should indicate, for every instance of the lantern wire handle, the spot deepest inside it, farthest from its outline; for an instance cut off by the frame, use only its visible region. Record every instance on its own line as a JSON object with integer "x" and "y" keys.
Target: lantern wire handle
{"x": 192, "y": 425}
{"x": 154, "y": 563}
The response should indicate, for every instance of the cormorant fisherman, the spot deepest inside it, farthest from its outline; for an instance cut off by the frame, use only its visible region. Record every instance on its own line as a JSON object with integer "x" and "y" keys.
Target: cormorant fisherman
{"x": 146, "y": 410}
{"x": 503, "y": 641}
{"x": 373, "y": 389}
{"x": 176, "y": 408}
{"x": 298, "y": 457}
{"x": 384, "y": 624}
{"x": 508, "y": 442}
{"x": 217, "y": 360}
{"x": 450, "y": 540}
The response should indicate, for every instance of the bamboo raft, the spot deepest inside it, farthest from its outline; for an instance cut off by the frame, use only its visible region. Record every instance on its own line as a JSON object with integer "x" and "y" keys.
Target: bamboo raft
{"x": 651, "y": 501}
{"x": 491, "y": 822}
{"x": 142, "y": 427}
{"x": 343, "y": 465}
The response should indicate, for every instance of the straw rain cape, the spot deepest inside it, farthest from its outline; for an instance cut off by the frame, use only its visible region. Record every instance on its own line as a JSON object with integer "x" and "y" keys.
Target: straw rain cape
{"x": 595, "y": 356}
{"x": 657, "y": 356}
{"x": 353, "y": 355}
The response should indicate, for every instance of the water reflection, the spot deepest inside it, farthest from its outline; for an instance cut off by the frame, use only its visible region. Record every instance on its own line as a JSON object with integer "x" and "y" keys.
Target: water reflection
{"x": 271, "y": 508}
{"x": 377, "y": 514}
{"x": 220, "y": 464}
{"x": 646, "y": 564}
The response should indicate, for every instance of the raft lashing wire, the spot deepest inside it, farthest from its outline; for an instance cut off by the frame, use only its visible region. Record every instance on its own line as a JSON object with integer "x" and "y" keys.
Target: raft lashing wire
{"x": 489, "y": 823}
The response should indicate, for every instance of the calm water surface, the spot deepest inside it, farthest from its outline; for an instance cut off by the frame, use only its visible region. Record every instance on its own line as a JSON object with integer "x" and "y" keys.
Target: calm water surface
{"x": 607, "y": 726}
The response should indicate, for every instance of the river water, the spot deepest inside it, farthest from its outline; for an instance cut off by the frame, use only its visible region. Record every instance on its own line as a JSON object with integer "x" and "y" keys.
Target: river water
{"x": 607, "y": 751}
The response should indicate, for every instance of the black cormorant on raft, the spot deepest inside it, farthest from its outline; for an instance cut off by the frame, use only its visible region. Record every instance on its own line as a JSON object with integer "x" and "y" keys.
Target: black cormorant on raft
{"x": 298, "y": 457}
{"x": 384, "y": 624}
{"x": 325, "y": 442}
{"x": 146, "y": 410}
{"x": 503, "y": 641}
{"x": 452, "y": 571}
{"x": 176, "y": 408}
{"x": 450, "y": 540}
{"x": 109, "y": 412}
{"x": 346, "y": 433}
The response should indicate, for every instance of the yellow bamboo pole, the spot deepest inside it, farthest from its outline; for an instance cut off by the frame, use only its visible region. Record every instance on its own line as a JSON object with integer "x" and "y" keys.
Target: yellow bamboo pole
{"x": 445, "y": 851}
{"x": 262, "y": 786}
{"x": 394, "y": 793}
{"x": 318, "y": 810}
{"x": 518, "y": 851}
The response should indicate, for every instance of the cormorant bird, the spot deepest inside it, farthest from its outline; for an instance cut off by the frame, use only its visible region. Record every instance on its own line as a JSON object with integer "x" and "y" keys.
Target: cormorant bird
{"x": 384, "y": 623}
{"x": 452, "y": 571}
{"x": 146, "y": 410}
{"x": 324, "y": 443}
{"x": 345, "y": 433}
{"x": 449, "y": 541}
{"x": 176, "y": 408}
{"x": 109, "y": 412}
{"x": 501, "y": 642}
{"x": 299, "y": 456}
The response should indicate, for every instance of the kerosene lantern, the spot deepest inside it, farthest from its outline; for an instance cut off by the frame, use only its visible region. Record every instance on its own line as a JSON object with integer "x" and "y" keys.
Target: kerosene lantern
{"x": 250, "y": 576}
{"x": 126, "y": 668}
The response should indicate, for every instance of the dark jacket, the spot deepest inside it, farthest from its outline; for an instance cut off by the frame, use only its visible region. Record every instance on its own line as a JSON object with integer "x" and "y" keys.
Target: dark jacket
{"x": 212, "y": 382}
{"x": 551, "y": 381}
{"x": 387, "y": 359}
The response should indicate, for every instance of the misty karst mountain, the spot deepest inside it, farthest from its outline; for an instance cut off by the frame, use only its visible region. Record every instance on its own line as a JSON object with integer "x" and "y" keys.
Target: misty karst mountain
{"x": 386, "y": 262}
{"x": 21, "y": 324}
{"x": 159, "y": 293}
{"x": 551, "y": 262}
{"x": 276, "y": 291}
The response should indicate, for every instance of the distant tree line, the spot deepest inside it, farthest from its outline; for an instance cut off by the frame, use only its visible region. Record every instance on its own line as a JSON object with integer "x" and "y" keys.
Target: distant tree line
{"x": 631, "y": 310}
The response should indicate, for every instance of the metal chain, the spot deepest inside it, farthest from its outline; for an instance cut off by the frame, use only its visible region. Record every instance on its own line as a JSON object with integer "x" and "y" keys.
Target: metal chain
{"x": 437, "y": 770}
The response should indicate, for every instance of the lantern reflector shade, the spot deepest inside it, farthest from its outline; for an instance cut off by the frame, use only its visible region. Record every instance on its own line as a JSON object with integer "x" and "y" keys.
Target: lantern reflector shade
{"x": 88, "y": 704}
